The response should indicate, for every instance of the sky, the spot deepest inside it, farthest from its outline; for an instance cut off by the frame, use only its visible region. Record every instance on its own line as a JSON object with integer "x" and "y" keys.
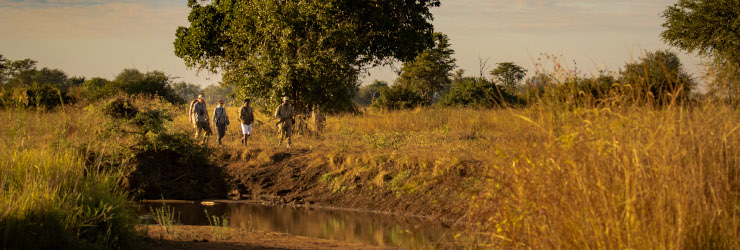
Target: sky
{"x": 99, "y": 38}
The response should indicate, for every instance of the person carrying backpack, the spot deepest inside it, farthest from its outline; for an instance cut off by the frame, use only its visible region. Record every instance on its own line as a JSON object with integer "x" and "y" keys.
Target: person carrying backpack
{"x": 200, "y": 117}
{"x": 220, "y": 120}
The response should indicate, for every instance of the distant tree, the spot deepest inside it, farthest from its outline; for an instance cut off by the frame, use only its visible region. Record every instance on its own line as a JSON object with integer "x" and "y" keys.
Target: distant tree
{"x": 659, "y": 74}
{"x": 312, "y": 51}
{"x": 215, "y": 92}
{"x": 509, "y": 75}
{"x": 186, "y": 91}
{"x": 19, "y": 72}
{"x": 95, "y": 82}
{"x": 429, "y": 73}
{"x": 398, "y": 97}
{"x": 534, "y": 86}
{"x": 55, "y": 77}
{"x": 476, "y": 92}
{"x": 96, "y": 88}
{"x": 44, "y": 88}
{"x": 710, "y": 28}
{"x": 76, "y": 80}
{"x": 19, "y": 67}
{"x": 4, "y": 69}
{"x": 133, "y": 82}
{"x": 367, "y": 94}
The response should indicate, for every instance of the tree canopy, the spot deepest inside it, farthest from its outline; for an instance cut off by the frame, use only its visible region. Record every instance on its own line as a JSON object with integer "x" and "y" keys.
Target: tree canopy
{"x": 430, "y": 71}
{"x": 711, "y": 28}
{"x": 708, "y": 27}
{"x": 661, "y": 74}
{"x": 312, "y": 51}
{"x": 508, "y": 74}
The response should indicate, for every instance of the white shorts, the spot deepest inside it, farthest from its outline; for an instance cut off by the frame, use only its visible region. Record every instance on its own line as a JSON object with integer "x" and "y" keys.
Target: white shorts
{"x": 246, "y": 129}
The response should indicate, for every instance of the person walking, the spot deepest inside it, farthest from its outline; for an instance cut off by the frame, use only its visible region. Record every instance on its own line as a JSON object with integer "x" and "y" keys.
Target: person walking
{"x": 319, "y": 120}
{"x": 192, "y": 115}
{"x": 284, "y": 112}
{"x": 246, "y": 118}
{"x": 200, "y": 116}
{"x": 220, "y": 120}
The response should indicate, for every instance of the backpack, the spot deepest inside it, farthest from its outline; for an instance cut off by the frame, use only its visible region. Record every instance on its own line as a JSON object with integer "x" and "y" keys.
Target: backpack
{"x": 190, "y": 111}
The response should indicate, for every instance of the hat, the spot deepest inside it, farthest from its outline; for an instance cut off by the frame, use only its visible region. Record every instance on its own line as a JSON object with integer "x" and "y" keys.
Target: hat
{"x": 285, "y": 98}
{"x": 200, "y": 95}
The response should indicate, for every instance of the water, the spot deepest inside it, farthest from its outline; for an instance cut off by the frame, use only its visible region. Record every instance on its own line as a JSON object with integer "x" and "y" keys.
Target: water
{"x": 371, "y": 228}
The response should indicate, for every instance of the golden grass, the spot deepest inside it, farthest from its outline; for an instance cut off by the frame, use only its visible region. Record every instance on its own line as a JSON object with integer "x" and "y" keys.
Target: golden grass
{"x": 549, "y": 177}
{"x": 545, "y": 176}
{"x": 49, "y": 196}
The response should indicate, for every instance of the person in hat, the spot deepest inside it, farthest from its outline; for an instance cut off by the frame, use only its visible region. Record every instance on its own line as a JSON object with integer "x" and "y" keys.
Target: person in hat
{"x": 200, "y": 117}
{"x": 246, "y": 117}
{"x": 284, "y": 112}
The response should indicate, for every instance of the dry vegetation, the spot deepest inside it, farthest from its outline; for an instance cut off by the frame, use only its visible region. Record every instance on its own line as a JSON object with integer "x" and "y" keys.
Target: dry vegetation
{"x": 545, "y": 176}
{"x": 554, "y": 177}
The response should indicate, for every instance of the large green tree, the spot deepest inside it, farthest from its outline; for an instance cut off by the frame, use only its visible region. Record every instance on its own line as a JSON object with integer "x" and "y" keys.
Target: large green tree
{"x": 429, "y": 73}
{"x": 711, "y": 28}
{"x": 312, "y": 50}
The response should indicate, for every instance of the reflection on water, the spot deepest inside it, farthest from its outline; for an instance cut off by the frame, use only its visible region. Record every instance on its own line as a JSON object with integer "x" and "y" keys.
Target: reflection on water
{"x": 371, "y": 228}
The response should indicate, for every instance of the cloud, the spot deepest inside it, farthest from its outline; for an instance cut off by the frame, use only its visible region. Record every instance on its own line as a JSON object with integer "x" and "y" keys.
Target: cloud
{"x": 551, "y": 15}
{"x": 68, "y": 3}
{"x": 88, "y": 18}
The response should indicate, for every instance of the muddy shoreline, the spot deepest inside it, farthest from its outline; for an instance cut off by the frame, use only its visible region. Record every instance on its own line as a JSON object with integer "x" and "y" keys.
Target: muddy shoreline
{"x": 458, "y": 224}
{"x": 209, "y": 237}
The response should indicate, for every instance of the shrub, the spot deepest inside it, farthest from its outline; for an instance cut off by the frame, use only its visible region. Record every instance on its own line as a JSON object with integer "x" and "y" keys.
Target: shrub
{"x": 658, "y": 76}
{"x": 398, "y": 97}
{"x": 61, "y": 204}
{"x": 477, "y": 93}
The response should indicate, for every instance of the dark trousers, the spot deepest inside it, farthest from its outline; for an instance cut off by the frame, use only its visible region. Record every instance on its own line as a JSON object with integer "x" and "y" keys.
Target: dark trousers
{"x": 221, "y": 130}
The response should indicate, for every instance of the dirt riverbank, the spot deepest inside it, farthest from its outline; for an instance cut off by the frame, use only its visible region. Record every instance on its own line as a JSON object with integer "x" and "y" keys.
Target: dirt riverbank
{"x": 302, "y": 176}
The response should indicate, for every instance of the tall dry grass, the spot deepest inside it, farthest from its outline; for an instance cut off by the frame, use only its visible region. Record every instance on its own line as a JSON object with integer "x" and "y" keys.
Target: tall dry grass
{"x": 555, "y": 176}
{"x": 51, "y": 195}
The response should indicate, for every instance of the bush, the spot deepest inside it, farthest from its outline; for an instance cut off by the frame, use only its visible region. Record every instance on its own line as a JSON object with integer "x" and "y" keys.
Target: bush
{"x": 658, "y": 76}
{"x": 477, "y": 93}
{"x": 133, "y": 82}
{"x": 62, "y": 204}
{"x": 398, "y": 97}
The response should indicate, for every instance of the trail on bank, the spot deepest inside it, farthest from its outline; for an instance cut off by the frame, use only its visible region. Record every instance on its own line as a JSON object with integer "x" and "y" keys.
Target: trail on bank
{"x": 302, "y": 176}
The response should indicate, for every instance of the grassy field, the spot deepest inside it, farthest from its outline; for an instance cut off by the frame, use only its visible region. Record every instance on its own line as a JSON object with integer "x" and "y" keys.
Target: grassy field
{"x": 51, "y": 196}
{"x": 545, "y": 176}
{"x": 553, "y": 177}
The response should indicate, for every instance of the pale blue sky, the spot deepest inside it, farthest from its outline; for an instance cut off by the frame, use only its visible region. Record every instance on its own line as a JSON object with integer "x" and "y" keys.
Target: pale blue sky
{"x": 101, "y": 37}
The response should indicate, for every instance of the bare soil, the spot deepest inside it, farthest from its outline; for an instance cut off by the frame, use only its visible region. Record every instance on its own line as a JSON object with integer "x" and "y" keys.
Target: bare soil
{"x": 297, "y": 176}
{"x": 292, "y": 176}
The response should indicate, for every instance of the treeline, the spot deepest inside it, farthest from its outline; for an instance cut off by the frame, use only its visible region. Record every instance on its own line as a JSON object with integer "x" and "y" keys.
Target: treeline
{"x": 656, "y": 78}
{"x": 24, "y": 85}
